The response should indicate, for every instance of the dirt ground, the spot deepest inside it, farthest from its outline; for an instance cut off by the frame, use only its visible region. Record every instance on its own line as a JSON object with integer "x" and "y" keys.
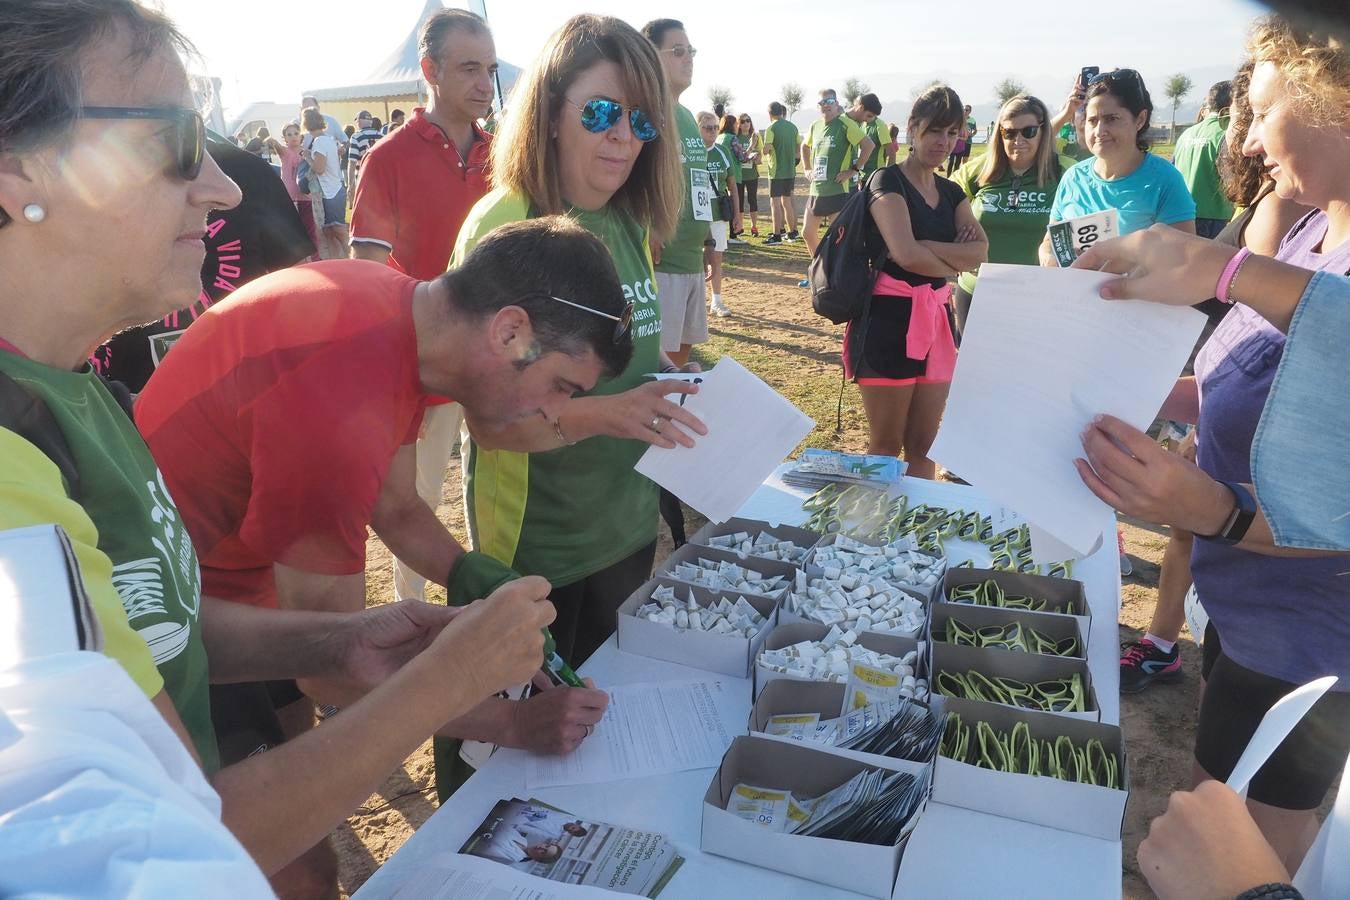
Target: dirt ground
{"x": 773, "y": 332}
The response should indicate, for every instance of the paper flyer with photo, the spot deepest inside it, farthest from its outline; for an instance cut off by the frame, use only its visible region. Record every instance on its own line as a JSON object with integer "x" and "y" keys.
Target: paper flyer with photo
{"x": 533, "y": 837}
{"x": 1071, "y": 237}
{"x": 817, "y": 468}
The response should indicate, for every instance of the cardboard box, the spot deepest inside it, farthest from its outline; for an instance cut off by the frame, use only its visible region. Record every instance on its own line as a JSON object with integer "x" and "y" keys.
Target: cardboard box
{"x": 785, "y": 635}
{"x": 725, "y": 653}
{"x": 928, "y": 595}
{"x": 787, "y": 696}
{"x": 1058, "y": 591}
{"x": 691, "y": 553}
{"x": 1042, "y": 800}
{"x": 1053, "y": 626}
{"x": 866, "y": 868}
{"x": 1028, "y": 667}
{"x": 755, "y": 527}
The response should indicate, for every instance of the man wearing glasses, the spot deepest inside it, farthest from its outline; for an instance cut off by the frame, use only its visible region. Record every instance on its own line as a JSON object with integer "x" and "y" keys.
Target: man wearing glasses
{"x": 283, "y": 423}
{"x": 826, "y": 154}
{"x": 679, "y": 262}
{"x": 415, "y": 189}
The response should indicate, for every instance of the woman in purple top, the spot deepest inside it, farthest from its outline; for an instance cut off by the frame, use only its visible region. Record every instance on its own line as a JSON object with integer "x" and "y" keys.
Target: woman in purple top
{"x": 1275, "y": 622}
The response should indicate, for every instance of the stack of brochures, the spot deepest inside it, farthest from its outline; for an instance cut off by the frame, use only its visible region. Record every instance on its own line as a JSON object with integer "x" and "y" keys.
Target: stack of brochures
{"x": 817, "y": 468}
{"x": 533, "y": 837}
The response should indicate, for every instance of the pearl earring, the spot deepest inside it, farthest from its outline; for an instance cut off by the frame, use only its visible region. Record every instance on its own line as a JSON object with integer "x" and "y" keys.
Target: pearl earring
{"x": 34, "y": 213}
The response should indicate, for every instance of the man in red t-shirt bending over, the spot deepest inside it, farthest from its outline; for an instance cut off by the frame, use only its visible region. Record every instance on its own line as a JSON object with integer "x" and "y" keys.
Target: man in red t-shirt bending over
{"x": 284, "y": 419}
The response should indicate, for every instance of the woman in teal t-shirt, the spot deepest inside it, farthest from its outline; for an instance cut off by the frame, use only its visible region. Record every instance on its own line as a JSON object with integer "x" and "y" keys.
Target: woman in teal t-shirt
{"x": 1121, "y": 174}
{"x": 1010, "y": 189}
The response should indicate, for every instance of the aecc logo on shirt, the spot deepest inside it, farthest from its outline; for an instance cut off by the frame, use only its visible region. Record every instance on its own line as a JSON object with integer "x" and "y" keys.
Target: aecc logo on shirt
{"x": 1019, "y": 201}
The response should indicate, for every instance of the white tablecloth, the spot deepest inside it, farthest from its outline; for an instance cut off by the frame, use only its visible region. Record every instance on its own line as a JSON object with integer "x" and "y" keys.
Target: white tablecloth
{"x": 953, "y": 853}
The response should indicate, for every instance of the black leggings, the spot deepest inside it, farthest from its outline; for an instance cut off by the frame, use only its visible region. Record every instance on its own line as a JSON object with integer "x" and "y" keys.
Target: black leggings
{"x": 587, "y": 608}
{"x": 1298, "y": 774}
{"x": 748, "y": 191}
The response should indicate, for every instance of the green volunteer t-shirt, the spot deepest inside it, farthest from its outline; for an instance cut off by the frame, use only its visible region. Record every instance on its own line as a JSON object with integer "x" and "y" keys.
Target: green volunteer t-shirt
{"x": 683, "y": 253}
{"x": 750, "y": 168}
{"x": 729, "y": 145}
{"x": 832, "y": 146}
{"x": 154, "y": 567}
{"x": 879, "y": 133}
{"x": 1197, "y": 158}
{"x": 570, "y": 512}
{"x": 1013, "y": 211}
{"x": 719, "y": 163}
{"x": 782, "y": 139}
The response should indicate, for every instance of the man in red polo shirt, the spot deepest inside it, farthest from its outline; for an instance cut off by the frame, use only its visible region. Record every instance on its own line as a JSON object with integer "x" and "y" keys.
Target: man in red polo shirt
{"x": 282, "y": 421}
{"x": 416, "y": 187}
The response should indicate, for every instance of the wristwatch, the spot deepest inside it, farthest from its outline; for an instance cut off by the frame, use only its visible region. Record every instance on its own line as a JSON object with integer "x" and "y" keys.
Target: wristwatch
{"x": 1235, "y": 528}
{"x": 1271, "y": 892}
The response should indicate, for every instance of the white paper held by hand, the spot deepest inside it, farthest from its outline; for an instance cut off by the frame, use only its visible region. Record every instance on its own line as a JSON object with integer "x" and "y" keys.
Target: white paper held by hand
{"x": 751, "y": 428}
{"x": 1041, "y": 356}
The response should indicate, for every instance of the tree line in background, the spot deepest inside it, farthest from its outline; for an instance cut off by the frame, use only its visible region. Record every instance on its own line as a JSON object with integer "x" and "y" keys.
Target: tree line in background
{"x": 1176, "y": 88}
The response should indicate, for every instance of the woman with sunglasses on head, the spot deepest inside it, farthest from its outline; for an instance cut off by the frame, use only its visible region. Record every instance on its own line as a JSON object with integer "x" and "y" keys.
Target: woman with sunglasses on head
{"x": 748, "y": 187}
{"x": 1122, "y": 174}
{"x": 902, "y": 354}
{"x": 592, "y": 135}
{"x": 1010, "y": 190}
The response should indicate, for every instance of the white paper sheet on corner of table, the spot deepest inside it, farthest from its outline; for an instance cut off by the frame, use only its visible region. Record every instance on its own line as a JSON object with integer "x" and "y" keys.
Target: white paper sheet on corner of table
{"x": 751, "y": 427}
{"x": 1041, "y": 355}
{"x": 458, "y": 876}
{"x": 648, "y": 729}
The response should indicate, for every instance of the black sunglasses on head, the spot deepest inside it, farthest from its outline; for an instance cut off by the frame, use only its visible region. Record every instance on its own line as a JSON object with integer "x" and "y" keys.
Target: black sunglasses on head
{"x": 186, "y": 143}
{"x": 1119, "y": 75}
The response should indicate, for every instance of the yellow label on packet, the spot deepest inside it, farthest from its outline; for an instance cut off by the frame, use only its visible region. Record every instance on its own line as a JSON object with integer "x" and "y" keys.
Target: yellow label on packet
{"x": 868, "y": 685}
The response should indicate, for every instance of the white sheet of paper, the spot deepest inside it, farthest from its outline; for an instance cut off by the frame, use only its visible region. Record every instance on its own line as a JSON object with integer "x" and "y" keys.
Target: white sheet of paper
{"x": 1275, "y": 726}
{"x": 648, "y": 729}
{"x": 1041, "y": 355}
{"x": 457, "y": 876}
{"x": 751, "y": 428}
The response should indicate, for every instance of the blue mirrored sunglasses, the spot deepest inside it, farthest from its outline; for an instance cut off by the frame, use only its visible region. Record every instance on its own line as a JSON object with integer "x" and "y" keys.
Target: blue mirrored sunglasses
{"x": 599, "y": 115}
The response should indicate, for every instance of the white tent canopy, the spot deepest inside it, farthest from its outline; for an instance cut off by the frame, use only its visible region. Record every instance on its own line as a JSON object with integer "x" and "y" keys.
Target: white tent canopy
{"x": 400, "y": 74}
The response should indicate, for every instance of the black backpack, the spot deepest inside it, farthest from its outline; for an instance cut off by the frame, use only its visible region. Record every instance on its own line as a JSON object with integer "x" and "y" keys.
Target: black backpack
{"x": 847, "y": 261}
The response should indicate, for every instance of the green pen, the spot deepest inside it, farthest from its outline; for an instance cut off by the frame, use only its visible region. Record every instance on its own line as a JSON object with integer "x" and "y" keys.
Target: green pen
{"x": 556, "y": 667}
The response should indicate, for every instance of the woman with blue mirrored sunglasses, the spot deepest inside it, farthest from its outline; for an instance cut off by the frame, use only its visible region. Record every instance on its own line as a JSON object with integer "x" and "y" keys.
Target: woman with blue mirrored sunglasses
{"x": 599, "y": 114}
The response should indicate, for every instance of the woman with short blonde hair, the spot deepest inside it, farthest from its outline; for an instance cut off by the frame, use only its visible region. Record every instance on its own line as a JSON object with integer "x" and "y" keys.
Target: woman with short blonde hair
{"x": 1274, "y": 623}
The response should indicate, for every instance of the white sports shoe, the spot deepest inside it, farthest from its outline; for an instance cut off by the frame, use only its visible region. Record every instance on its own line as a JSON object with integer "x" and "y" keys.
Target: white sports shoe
{"x": 720, "y": 309}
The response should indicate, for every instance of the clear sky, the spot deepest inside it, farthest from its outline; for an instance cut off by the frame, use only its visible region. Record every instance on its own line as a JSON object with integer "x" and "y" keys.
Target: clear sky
{"x": 273, "y": 49}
